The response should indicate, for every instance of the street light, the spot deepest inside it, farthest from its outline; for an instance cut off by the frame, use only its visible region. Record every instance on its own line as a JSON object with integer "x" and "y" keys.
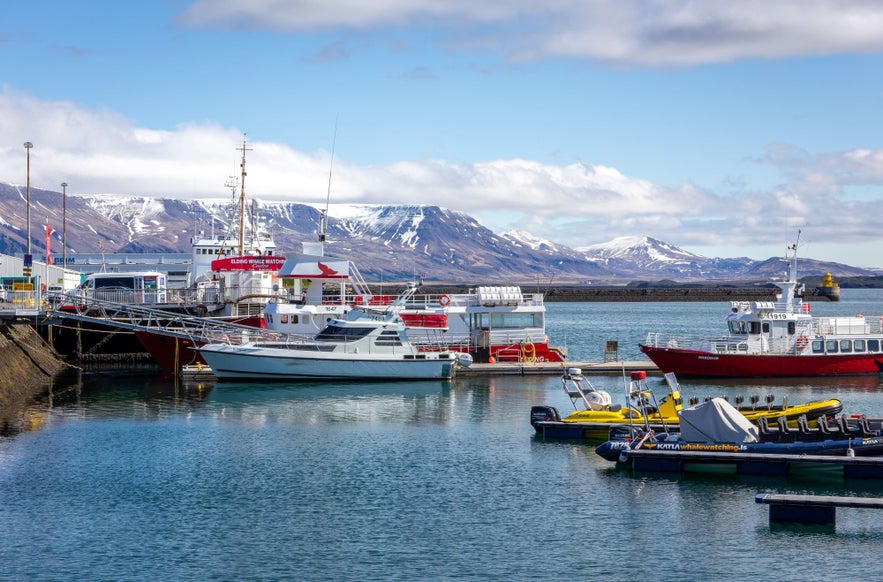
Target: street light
{"x": 64, "y": 225}
{"x": 28, "y": 146}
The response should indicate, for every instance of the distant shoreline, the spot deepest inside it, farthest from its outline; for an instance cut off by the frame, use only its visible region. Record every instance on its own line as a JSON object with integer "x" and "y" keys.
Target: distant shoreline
{"x": 575, "y": 294}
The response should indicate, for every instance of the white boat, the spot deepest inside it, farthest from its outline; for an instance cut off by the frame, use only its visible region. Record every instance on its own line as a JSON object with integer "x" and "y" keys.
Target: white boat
{"x": 367, "y": 345}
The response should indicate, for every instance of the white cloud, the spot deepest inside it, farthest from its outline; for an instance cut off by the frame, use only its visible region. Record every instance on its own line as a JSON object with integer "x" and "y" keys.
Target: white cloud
{"x": 619, "y": 32}
{"x": 578, "y": 204}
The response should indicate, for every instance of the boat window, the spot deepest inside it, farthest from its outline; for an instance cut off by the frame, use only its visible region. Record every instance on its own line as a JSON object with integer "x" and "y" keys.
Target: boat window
{"x": 508, "y": 320}
{"x": 334, "y": 333}
{"x": 766, "y": 327}
{"x": 268, "y": 317}
{"x": 873, "y": 345}
{"x": 845, "y": 345}
{"x": 791, "y": 327}
{"x": 858, "y": 345}
{"x": 754, "y": 327}
{"x": 388, "y": 338}
{"x": 831, "y": 346}
{"x": 737, "y": 327}
{"x": 283, "y": 319}
{"x": 818, "y": 347}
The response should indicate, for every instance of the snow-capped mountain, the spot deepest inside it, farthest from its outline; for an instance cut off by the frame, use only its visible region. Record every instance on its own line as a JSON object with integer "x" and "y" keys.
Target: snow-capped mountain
{"x": 388, "y": 242}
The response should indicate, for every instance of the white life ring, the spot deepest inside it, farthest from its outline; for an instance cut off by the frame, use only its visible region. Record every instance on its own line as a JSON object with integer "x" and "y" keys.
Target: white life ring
{"x": 444, "y": 300}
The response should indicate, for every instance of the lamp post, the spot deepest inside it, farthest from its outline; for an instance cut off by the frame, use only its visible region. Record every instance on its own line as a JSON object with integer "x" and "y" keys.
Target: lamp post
{"x": 64, "y": 225}
{"x": 28, "y": 146}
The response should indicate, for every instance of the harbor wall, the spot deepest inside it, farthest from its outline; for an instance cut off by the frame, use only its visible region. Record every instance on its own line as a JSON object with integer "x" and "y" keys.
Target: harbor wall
{"x": 28, "y": 365}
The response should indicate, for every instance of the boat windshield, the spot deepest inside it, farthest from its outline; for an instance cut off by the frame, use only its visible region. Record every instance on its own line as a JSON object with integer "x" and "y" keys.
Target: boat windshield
{"x": 334, "y": 333}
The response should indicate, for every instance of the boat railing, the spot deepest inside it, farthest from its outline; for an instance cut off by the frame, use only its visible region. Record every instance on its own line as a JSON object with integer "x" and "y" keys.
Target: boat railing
{"x": 857, "y": 325}
{"x": 704, "y": 344}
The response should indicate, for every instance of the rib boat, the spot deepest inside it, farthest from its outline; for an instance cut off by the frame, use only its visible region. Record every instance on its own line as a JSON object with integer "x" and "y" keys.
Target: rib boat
{"x": 594, "y": 414}
{"x": 716, "y": 426}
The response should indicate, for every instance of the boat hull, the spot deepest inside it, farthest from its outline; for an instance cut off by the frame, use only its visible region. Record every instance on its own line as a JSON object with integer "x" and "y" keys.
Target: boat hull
{"x": 700, "y": 364}
{"x": 232, "y": 363}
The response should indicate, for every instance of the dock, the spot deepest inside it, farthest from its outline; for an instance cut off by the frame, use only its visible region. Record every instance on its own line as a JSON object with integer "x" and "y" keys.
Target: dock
{"x": 754, "y": 463}
{"x": 812, "y": 509}
{"x": 541, "y": 368}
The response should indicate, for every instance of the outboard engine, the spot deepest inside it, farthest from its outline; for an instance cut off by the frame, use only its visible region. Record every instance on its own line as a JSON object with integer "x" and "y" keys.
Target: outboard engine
{"x": 625, "y": 432}
{"x": 543, "y": 413}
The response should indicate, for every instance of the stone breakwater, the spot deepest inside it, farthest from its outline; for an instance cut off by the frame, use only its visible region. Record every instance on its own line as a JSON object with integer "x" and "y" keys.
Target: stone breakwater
{"x": 28, "y": 365}
{"x": 583, "y": 293}
{"x": 563, "y": 294}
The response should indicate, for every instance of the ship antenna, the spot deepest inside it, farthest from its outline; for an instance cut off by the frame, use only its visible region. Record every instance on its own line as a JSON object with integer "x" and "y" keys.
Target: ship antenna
{"x": 244, "y": 148}
{"x": 323, "y": 214}
{"x": 232, "y": 183}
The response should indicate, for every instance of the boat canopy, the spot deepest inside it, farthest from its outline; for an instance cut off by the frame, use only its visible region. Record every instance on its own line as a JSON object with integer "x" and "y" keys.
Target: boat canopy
{"x": 716, "y": 421}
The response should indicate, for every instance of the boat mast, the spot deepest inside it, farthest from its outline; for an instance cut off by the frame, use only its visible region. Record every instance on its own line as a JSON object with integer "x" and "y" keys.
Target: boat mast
{"x": 244, "y": 149}
{"x": 323, "y": 214}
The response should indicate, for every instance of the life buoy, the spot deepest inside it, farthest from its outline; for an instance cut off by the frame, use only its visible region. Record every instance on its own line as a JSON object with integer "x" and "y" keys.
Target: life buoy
{"x": 802, "y": 342}
{"x": 528, "y": 352}
{"x": 444, "y": 300}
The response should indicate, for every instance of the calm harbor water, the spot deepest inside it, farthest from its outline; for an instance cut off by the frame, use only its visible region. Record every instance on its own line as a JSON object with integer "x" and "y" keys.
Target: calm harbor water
{"x": 126, "y": 475}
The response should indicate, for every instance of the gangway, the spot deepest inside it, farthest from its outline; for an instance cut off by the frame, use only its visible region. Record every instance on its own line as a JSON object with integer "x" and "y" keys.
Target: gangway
{"x": 156, "y": 320}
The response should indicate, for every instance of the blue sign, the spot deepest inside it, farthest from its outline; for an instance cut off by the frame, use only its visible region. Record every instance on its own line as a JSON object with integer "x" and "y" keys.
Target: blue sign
{"x": 29, "y": 260}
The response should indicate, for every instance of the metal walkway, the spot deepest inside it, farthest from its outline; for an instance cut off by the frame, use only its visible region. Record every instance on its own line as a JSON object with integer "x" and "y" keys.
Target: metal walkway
{"x": 157, "y": 320}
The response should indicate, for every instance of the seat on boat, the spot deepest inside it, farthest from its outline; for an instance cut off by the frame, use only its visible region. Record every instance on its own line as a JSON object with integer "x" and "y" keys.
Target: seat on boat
{"x": 786, "y": 433}
{"x": 767, "y": 433}
{"x": 848, "y": 431}
{"x": 807, "y": 433}
{"x": 865, "y": 428}
{"x": 830, "y": 432}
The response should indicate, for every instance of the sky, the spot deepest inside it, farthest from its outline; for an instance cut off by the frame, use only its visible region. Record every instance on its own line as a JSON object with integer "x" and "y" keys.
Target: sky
{"x": 721, "y": 127}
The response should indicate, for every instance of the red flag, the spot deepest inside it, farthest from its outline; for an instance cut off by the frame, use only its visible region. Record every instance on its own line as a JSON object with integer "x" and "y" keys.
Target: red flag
{"x": 48, "y": 233}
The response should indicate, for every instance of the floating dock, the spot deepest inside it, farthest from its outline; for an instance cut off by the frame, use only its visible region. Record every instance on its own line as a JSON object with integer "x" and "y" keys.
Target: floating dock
{"x": 754, "y": 463}
{"x": 540, "y": 368}
{"x": 812, "y": 509}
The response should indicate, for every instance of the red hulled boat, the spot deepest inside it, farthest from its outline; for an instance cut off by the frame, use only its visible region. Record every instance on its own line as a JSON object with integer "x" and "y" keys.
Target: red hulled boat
{"x": 775, "y": 339}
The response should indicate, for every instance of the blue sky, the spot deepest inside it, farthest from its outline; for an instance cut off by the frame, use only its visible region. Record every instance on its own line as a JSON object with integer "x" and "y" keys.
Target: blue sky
{"x": 721, "y": 127}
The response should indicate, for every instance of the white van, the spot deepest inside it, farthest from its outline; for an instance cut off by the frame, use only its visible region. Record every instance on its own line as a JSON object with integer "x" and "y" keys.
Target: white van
{"x": 133, "y": 288}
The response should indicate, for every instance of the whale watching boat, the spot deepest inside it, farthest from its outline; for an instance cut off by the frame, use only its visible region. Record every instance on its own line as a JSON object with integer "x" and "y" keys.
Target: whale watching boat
{"x": 780, "y": 338}
{"x": 715, "y": 426}
{"x": 367, "y": 345}
{"x": 594, "y": 414}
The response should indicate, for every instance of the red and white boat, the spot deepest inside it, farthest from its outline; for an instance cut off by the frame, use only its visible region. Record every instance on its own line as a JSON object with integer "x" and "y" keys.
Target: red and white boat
{"x": 775, "y": 339}
{"x": 486, "y": 322}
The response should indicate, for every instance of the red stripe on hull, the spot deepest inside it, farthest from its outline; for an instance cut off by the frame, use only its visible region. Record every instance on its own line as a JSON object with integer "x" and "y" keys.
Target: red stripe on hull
{"x": 692, "y": 363}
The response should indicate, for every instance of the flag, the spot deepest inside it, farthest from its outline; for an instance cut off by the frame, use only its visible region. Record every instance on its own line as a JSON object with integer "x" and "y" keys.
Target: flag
{"x": 48, "y": 233}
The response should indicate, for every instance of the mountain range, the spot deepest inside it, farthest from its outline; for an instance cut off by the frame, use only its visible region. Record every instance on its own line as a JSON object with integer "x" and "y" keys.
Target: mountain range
{"x": 386, "y": 242}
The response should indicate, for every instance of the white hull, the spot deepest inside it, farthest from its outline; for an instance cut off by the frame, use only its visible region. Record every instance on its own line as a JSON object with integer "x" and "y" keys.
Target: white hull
{"x": 261, "y": 363}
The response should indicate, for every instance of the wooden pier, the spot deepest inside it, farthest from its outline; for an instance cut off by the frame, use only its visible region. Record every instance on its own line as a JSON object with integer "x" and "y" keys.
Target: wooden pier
{"x": 812, "y": 509}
